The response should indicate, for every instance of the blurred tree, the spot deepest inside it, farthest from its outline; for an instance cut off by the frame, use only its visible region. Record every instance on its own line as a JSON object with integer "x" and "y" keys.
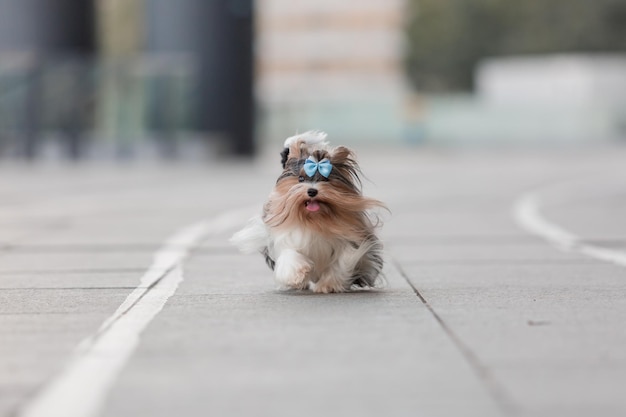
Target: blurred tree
{"x": 446, "y": 38}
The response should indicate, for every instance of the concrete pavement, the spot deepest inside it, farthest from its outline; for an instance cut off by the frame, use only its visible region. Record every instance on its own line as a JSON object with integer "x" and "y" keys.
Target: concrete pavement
{"x": 481, "y": 316}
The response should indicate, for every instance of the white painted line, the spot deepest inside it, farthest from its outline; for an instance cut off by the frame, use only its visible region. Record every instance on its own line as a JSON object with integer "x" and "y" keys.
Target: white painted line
{"x": 527, "y": 213}
{"x": 82, "y": 387}
{"x": 604, "y": 254}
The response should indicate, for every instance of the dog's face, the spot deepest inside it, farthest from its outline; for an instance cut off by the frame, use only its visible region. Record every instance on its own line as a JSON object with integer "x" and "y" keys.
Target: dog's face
{"x": 319, "y": 189}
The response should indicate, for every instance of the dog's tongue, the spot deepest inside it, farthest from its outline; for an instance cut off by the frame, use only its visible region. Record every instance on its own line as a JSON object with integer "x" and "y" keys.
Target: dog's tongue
{"x": 313, "y": 206}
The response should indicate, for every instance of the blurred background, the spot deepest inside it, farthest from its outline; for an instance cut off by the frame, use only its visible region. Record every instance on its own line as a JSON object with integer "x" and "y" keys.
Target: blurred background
{"x": 196, "y": 79}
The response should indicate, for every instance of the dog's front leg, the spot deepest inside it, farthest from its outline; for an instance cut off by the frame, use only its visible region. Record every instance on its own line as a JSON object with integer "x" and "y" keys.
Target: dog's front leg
{"x": 334, "y": 279}
{"x": 292, "y": 269}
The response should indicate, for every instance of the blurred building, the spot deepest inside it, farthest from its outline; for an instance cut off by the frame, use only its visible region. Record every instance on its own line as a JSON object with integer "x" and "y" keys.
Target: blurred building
{"x": 331, "y": 65}
{"x": 184, "y": 69}
{"x": 126, "y": 77}
{"x": 44, "y": 49}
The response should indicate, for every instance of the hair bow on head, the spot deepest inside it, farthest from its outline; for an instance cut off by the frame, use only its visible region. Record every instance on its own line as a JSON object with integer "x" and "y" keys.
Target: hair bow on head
{"x": 324, "y": 167}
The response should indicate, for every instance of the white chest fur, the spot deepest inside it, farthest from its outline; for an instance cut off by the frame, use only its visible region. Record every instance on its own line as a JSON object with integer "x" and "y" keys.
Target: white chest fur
{"x": 321, "y": 251}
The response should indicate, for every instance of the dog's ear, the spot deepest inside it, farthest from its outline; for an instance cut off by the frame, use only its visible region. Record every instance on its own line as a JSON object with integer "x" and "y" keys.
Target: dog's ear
{"x": 284, "y": 155}
{"x": 345, "y": 164}
{"x": 297, "y": 149}
{"x": 343, "y": 155}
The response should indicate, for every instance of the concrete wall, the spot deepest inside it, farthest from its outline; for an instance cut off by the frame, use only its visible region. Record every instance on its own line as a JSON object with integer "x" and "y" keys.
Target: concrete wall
{"x": 566, "y": 80}
{"x": 536, "y": 100}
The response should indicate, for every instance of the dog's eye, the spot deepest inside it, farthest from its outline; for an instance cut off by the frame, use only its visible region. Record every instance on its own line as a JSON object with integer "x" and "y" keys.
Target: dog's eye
{"x": 300, "y": 179}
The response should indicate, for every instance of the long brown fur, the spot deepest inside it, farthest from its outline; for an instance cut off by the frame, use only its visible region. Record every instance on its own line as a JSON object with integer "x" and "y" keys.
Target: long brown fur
{"x": 317, "y": 232}
{"x": 343, "y": 208}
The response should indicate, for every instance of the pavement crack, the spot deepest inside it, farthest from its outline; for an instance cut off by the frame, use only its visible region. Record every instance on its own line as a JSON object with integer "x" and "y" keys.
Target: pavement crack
{"x": 495, "y": 389}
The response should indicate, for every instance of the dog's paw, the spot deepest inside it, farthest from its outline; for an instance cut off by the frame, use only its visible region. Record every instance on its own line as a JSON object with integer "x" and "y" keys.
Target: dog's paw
{"x": 327, "y": 287}
{"x": 298, "y": 278}
{"x": 298, "y": 286}
{"x": 292, "y": 270}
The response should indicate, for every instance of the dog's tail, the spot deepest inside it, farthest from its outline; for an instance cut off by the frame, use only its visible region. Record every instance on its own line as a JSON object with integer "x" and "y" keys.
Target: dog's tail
{"x": 252, "y": 238}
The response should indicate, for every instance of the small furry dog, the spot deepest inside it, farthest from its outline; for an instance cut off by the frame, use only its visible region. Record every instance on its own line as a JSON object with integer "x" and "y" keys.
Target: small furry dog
{"x": 316, "y": 231}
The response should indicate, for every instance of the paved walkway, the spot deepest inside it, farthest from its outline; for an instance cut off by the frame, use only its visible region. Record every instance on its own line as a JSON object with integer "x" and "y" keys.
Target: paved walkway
{"x": 120, "y": 296}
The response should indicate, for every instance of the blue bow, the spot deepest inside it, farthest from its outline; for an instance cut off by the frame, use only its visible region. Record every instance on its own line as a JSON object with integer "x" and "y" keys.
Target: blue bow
{"x": 324, "y": 167}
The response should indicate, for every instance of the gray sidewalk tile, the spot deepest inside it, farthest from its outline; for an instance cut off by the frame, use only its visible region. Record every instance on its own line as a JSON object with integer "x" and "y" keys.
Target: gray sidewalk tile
{"x": 498, "y": 320}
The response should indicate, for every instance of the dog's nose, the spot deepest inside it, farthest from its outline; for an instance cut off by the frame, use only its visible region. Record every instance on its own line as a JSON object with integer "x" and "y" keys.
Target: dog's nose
{"x": 312, "y": 192}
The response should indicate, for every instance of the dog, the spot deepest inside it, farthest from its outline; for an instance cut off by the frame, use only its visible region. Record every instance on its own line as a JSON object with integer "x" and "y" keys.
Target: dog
{"x": 317, "y": 230}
